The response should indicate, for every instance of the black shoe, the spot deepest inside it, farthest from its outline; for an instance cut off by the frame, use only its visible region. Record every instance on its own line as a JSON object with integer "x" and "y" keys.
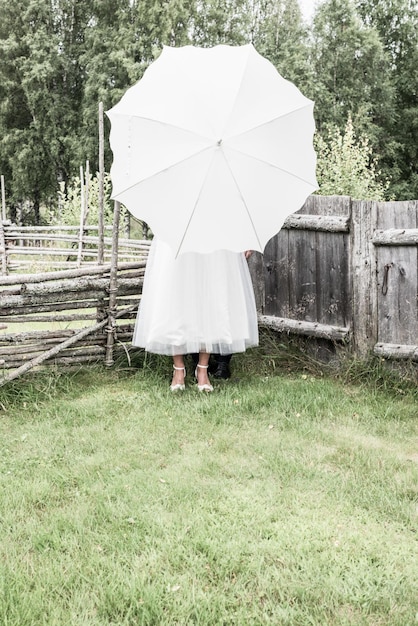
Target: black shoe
{"x": 222, "y": 371}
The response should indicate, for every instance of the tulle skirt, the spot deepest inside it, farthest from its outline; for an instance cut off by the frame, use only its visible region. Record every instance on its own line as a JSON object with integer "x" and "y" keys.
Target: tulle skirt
{"x": 197, "y": 302}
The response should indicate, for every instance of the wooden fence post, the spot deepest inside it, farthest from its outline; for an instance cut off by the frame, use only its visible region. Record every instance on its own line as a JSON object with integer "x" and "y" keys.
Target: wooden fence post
{"x": 113, "y": 288}
{"x": 81, "y": 225}
{"x": 3, "y": 251}
{"x": 3, "y": 199}
{"x": 100, "y": 250}
{"x": 363, "y": 277}
{"x": 256, "y": 267}
{"x": 86, "y": 193}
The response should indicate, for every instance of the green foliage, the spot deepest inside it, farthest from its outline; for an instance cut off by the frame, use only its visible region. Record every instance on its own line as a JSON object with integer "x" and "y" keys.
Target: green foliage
{"x": 352, "y": 76}
{"x": 350, "y": 64}
{"x": 61, "y": 57}
{"x": 70, "y": 201}
{"x": 278, "y": 33}
{"x": 41, "y": 95}
{"x": 397, "y": 24}
{"x": 220, "y": 22}
{"x": 347, "y": 166}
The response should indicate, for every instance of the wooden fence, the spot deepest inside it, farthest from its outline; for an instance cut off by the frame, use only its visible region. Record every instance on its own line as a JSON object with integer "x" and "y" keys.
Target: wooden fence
{"x": 344, "y": 270}
{"x": 341, "y": 270}
{"x": 77, "y": 316}
{"x": 72, "y": 315}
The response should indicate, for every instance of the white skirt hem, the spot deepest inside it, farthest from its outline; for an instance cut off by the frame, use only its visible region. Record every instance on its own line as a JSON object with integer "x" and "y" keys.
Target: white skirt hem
{"x": 196, "y": 303}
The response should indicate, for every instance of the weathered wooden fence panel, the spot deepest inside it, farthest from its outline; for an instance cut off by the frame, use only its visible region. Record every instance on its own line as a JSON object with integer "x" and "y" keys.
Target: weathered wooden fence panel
{"x": 395, "y": 241}
{"x": 344, "y": 269}
{"x": 320, "y": 251}
{"x": 306, "y": 271}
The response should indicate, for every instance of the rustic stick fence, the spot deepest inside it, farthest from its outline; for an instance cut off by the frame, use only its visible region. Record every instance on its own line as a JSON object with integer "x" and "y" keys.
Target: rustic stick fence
{"x": 53, "y": 301}
{"x": 60, "y": 247}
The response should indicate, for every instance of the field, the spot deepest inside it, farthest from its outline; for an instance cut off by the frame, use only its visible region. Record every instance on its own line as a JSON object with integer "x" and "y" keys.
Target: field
{"x": 287, "y": 497}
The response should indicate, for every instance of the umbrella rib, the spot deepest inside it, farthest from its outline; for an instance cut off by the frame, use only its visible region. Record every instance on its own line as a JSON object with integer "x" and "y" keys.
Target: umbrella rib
{"x": 239, "y": 87}
{"x": 243, "y": 200}
{"x": 273, "y": 119}
{"x": 191, "y": 217}
{"x": 194, "y": 208}
{"x": 139, "y": 182}
{"x": 171, "y": 125}
{"x": 254, "y": 158}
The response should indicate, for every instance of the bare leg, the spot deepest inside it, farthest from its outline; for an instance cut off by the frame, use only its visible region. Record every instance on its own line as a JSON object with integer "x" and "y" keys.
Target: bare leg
{"x": 178, "y": 373}
{"x": 202, "y": 372}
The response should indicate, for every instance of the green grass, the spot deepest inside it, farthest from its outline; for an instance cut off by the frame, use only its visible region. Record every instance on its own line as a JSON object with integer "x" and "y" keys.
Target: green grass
{"x": 283, "y": 498}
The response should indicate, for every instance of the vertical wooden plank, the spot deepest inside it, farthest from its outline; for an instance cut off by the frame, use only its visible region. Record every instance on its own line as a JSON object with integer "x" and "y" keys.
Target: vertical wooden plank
{"x": 256, "y": 267}
{"x": 276, "y": 260}
{"x": 270, "y": 276}
{"x": 86, "y": 193}
{"x": 333, "y": 280}
{"x": 397, "y": 285}
{"x": 332, "y": 264}
{"x": 113, "y": 287}
{"x": 282, "y": 305}
{"x": 81, "y": 226}
{"x": 302, "y": 275}
{"x": 363, "y": 277}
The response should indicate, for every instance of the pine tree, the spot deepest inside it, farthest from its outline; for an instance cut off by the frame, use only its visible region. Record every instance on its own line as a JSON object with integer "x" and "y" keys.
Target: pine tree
{"x": 351, "y": 69}
{"x": 397, "y": 24}
{"x": 41, "y": 94}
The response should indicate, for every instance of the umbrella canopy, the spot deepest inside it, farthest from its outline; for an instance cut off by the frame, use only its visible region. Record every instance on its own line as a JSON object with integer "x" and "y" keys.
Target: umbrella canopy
{"x": 213, "y": 148}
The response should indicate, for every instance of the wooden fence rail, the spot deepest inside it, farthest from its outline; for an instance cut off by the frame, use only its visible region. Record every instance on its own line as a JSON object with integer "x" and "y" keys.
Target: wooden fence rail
{"x": 61, "y": 247}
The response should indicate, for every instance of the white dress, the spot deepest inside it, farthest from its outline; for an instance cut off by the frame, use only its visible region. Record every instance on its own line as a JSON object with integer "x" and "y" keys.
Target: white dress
{"x": 197, "y": 302}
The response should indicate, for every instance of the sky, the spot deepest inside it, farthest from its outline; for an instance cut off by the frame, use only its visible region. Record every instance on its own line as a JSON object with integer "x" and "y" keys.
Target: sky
{"x": 307, "y": 8}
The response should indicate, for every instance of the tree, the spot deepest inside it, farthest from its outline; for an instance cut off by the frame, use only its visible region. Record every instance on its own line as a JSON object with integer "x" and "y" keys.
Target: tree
{"x": 60, "y": 58}
{"x": 122, "y": 38}
{"x": 279, "y": 34}
{"x": 351, "y": 68}
{"x": 217, "y": 22}
{"x": 41, "y": 95}
{"x": 353, "y": 77}
{"x": 396, "y": 21}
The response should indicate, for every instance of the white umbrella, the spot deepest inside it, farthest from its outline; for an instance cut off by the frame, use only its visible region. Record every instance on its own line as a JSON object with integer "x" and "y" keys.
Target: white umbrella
{"x": 213, "y": 148}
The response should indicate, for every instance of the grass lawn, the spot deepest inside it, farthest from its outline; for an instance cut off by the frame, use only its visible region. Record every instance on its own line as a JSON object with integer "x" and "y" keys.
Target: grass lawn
{"x": 283, "y": 498}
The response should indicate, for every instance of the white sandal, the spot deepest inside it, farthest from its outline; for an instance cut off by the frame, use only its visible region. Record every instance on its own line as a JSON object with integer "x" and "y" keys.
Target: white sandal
{"x": 205, "y": 387}
{"x": 179, "y": 386}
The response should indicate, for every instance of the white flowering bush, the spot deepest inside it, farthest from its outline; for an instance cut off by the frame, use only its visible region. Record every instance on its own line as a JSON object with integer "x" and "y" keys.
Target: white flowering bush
{"x": 69, "y": 204}
{"x": 346, "y": 165}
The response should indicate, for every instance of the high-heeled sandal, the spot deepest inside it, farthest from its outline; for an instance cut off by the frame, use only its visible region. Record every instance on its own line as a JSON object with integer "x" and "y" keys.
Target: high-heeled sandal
{"x": 179, "y": 386}
{"x": 205, "y": 387}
